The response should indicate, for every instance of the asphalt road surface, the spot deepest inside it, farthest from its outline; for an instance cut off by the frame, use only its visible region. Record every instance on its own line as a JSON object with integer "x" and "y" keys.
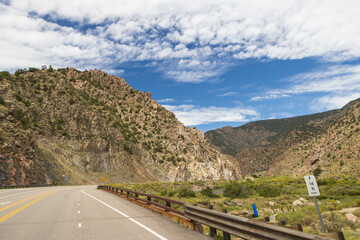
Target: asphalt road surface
{"x": 81, "y": 212}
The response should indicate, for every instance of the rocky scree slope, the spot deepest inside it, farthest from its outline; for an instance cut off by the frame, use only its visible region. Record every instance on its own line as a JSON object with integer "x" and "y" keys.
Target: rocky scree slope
{"x": 66, "y": 125}
{"x": 258, "y": 145}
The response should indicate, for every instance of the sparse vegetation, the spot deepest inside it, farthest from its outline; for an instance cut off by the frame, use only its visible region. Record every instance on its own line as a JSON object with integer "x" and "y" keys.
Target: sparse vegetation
{"x": 335, "y": 195}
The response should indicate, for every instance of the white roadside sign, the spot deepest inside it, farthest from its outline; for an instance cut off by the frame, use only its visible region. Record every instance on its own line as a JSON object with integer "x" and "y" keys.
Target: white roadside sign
{"x": 312, "y": 186}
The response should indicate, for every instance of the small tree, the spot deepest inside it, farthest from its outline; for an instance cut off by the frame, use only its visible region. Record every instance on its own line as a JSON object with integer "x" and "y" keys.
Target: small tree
{"x": 317, "y": 171}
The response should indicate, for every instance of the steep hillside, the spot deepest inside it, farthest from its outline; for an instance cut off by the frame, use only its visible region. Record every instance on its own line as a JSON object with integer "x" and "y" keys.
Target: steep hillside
{"x": 335, "y": 151}
{"x": 257, "y": 145}
{"x": 65, "y": 124}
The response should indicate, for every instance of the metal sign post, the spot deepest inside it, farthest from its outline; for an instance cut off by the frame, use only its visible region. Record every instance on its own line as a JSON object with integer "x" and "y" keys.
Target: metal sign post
{"x": 313, "y": 190}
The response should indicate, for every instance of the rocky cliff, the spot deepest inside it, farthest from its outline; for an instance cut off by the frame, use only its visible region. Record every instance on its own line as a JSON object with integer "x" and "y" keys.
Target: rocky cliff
{"x": 67, "y": 125}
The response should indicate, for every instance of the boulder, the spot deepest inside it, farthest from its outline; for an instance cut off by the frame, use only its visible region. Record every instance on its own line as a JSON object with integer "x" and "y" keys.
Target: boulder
{"x": 351, "y": 217}
{"x": 297, "y": 203}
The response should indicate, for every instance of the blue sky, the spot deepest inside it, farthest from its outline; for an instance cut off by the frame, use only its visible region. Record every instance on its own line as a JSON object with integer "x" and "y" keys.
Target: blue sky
{"x": 213, "y": 63}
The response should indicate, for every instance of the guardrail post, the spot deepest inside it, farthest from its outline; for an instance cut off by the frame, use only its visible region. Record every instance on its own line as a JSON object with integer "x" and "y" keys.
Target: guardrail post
{"x": 226, "y": 234}
{"x": 149, "y": 199}
{"x": 198, "y": 227}
{"x": 299, "y": 228}
{"x": 340, "y": 235}
{"x": 212, "y": 230}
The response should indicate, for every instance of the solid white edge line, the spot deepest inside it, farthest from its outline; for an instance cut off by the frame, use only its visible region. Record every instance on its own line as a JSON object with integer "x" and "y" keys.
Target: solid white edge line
{"x": 15, "y": 194}
{"x": 131, "y": 219}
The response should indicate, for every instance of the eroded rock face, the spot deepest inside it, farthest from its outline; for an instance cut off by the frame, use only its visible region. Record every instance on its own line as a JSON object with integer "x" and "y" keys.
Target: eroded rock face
{"x": 86, "y": 125}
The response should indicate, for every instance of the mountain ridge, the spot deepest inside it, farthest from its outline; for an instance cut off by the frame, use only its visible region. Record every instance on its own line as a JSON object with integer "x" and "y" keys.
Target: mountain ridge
{"x": 258, "y": 145}
{"x": 84, "y": 125}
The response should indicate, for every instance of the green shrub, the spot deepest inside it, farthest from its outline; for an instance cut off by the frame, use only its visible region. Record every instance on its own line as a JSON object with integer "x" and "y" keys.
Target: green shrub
{"x": 334, "y": 221}
{"x": 127, "y": 148}
{"x": 317, "y": 171}
{"x": 18, "y": 97}
{"x": 269, "y": 191}
{"x": 19, "y": 72}
{"x": 236, "y": 190}
{"x": 4, "y": 75}
{"x": 32, "y": 69}
{"x": 2, "y": 101}
{"x": 19, "y": 115}
{"x": 186, "y": 193}
{"x": 208, "y": 192}
{"x": 300, "y": 216}
{"x": 71, "y": 101}
{"x": 326, "y": 181}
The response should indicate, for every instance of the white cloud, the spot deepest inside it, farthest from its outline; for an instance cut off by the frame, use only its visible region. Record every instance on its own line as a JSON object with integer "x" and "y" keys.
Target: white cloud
{"x": 337, "y": 86}
{"x": 337, "y": 79}
{"x": 333, "y": 101}
{"x": 166, "y": 100}
{"x": 227, "y": 94}
{"x": 190, "y": 41}
{"x": 269, "y": 96}
{"x": 191, "y": 115}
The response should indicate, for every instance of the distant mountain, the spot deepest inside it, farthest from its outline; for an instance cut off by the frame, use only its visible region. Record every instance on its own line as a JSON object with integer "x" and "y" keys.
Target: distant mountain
{"x": 271, "y": 145}
{"x": 81, "y": 126}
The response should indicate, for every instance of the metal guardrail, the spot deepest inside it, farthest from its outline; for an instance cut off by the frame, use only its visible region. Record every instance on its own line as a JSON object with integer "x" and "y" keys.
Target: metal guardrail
{"x": 248, "y": 229}
{"x": 149, "y": 198}
{"x": 244, "y": 227}
{"x": 26, "y": 186}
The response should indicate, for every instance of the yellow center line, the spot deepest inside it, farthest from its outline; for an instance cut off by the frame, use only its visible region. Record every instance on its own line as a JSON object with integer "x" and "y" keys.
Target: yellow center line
{"x": 25, "y": 206}
{"x": 9, "y": 206}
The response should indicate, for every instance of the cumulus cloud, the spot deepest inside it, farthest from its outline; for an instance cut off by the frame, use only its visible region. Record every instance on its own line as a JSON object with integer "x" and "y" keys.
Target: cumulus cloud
{"x": 191, "y": 115}
{"x": 188, "y": 41}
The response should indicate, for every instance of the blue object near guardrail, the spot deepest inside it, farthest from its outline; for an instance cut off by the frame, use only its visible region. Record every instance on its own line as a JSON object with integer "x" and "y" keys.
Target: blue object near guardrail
{"x": 255, "y": 210}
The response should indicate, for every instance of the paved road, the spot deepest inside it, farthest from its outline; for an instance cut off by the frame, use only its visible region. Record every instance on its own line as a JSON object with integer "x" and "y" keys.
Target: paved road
{"x": 81, "y": 212}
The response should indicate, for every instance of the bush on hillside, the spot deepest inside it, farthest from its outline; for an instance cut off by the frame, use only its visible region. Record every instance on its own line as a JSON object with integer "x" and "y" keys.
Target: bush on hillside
{"x": 2, "y": 101}
{"x": 269, "y": 191}
{"x": 236, "y": 190}
{"x": 208, "y": 192}
{"x": 186, "y": 193}
{"x": 317, "y": 171}
{"x": 4, "y": 75}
